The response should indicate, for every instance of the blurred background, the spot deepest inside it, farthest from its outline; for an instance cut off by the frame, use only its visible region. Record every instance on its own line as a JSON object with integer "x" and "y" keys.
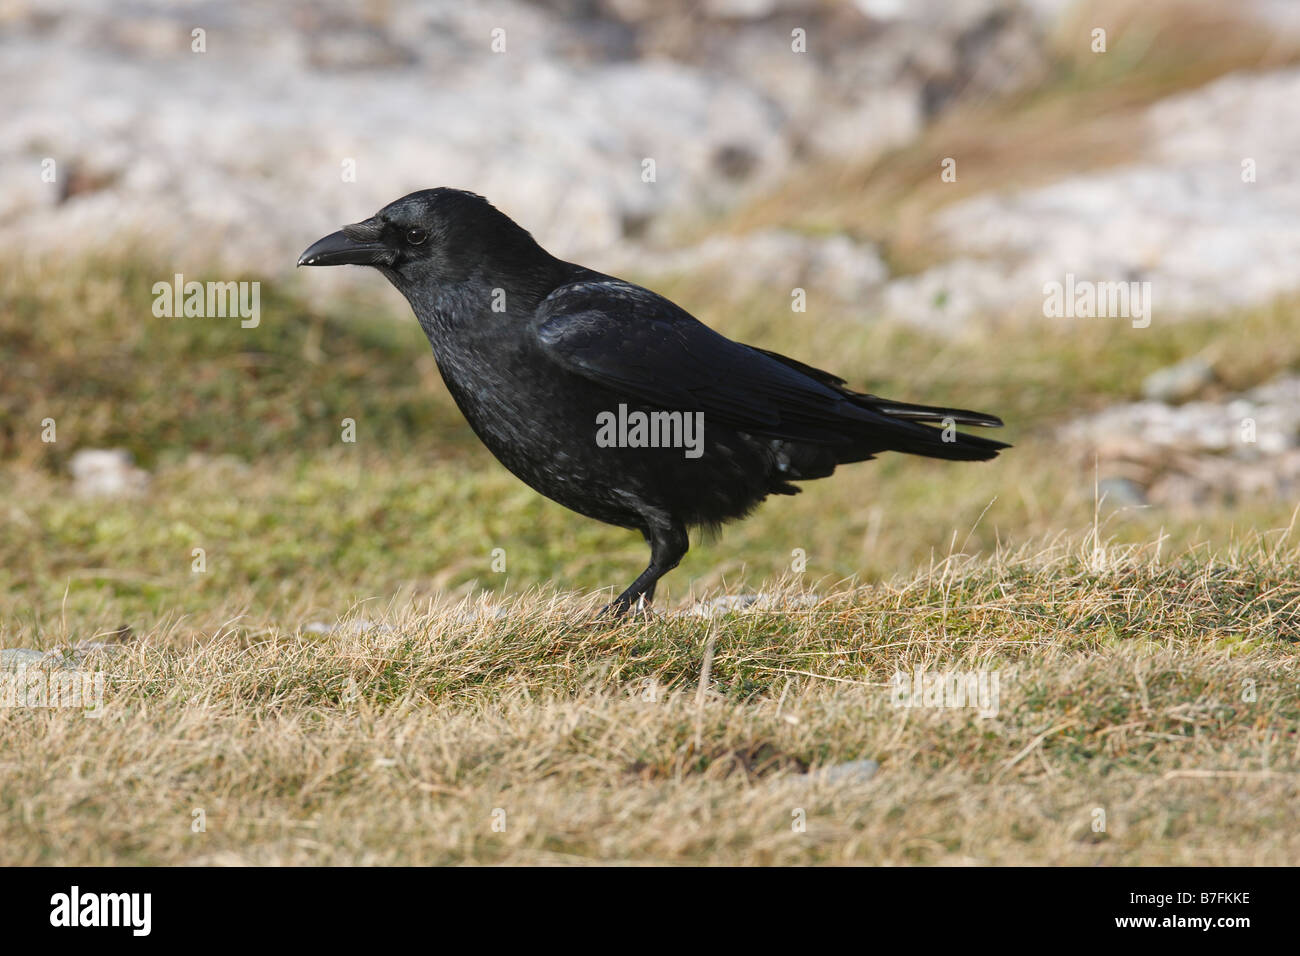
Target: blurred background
{"x": 919, "y": 169}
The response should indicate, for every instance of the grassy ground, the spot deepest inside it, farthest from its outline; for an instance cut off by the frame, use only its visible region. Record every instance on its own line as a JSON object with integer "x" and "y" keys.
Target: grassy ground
{"x": 1124, "y": 669}
{"x": 1145, "y": 713}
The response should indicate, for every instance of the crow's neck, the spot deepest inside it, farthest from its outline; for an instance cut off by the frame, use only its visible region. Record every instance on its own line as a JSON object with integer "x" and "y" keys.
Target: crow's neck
{"x": 486, "y": 294}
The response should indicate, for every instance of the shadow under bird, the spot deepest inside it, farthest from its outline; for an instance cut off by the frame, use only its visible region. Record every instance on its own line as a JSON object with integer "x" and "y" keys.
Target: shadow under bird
{"x": 612, "y": 400}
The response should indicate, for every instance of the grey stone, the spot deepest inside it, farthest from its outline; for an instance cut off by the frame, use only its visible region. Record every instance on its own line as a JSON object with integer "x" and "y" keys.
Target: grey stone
{"x": 1180, "y": 382}
{"x": 725, "y": 604}
{"x": 67, "y": 656}
{"x": 1241, "y": 446}
{"x": 731, "y": 603}
{"x": 1121, "y": 493}
{"x": 12, "y": 658}
{"x": 81, "y": 652}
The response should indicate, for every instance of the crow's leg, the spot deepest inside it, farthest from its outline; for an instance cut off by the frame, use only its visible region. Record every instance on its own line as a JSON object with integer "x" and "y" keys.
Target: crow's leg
{"x": 667, "y": 548}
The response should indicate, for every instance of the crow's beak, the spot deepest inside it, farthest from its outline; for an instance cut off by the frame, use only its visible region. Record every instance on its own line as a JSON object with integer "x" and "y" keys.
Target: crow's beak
{"x": 341, "y": 249}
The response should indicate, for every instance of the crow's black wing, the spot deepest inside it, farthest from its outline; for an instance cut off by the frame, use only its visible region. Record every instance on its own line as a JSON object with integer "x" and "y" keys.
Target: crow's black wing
{"x": 640, "y": 345}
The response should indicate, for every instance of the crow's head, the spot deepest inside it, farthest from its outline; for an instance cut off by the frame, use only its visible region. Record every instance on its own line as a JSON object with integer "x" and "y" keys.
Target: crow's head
{"x": 433, "y": 237}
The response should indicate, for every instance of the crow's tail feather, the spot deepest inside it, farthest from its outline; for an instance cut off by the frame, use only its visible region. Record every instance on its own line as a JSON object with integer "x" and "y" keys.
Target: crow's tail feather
{"x": 913, "y": 432}
{"x": 929, "y": 413}
{"x": 947, "y": 444}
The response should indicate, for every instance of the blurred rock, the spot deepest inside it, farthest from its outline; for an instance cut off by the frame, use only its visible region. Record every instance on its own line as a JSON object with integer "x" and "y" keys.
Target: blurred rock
{"x": 288, "y": 125}
{"x": 82, "y": 651}
{"x": 732, "y": 603}
{"x": 1245, "y": 446}
{"x": 67, "y": 656}
{"x": 1185, "y": 219}
{"x": 726, "y": 604}
{"x": 106, "y": 473}
{"x": 774, "y": 259}
{"x": 11, "y": 658}
{"x": 850, "y": 772}
{"x": 1180, "y": 382}
{"x": 1121, "y": 493}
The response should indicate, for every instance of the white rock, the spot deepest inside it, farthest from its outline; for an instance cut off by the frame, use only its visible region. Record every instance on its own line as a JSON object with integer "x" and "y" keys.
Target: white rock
{"x": 106, "y": 473}
{"x": 202, "y": 154}
{"x": 1181, "y": 219}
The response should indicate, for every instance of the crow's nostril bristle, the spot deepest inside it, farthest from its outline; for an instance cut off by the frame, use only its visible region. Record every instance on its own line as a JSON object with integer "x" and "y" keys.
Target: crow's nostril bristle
{"x": 367, "y": 231}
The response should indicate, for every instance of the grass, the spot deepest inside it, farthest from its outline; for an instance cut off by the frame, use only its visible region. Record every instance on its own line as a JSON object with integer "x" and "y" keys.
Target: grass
{"x": 1156, "y": 694}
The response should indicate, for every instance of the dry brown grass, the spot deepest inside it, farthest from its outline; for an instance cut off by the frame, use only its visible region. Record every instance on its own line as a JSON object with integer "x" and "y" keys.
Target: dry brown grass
{"x": 1125, "y": 688}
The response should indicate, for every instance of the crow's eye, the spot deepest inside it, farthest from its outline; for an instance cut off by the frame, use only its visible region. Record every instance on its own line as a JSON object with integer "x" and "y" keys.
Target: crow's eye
{"x": 416, "y": 236}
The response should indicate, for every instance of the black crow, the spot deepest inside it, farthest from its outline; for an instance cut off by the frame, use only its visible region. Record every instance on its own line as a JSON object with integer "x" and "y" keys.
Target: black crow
{"x": 612, "y": 400}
